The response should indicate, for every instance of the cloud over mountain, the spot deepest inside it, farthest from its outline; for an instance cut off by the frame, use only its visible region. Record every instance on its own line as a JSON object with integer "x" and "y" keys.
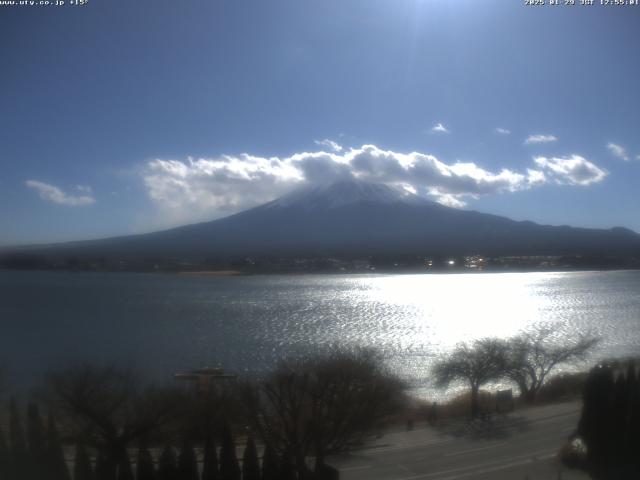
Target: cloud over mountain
{"x": 231, "y": 183}
{"x": 225, "y": 184}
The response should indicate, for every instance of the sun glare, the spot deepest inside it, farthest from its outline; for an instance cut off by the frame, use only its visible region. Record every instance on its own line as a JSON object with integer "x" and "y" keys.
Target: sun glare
{"x": 447, "y": 309}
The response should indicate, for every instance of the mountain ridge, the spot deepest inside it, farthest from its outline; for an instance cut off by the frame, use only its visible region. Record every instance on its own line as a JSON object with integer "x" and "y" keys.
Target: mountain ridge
{"x": 357, "y": 219}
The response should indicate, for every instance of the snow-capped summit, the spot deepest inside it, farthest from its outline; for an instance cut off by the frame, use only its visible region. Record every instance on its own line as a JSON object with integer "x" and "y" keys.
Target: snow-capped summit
{"x": 347, "y": 192}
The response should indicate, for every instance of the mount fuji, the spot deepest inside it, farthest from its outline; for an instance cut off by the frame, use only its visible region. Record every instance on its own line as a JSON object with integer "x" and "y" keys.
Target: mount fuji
{"x": 357, "y": 218}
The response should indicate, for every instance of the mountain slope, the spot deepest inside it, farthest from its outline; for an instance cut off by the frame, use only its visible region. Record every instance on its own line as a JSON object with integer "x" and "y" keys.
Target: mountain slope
{"x": 360, "y": 218}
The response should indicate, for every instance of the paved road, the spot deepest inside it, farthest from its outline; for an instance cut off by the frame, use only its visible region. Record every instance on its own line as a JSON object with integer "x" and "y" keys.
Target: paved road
{"x": 522, "y": 445}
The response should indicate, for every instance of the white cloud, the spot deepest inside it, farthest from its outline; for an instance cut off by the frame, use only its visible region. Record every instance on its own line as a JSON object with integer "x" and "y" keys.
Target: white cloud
{"x": 53, "y": 194}
{"x": 207, "y": 188}
{"x": 210, "y": 187}
{"x": 502, "y": 131}
{"x": 330, "y": 144}
{"x": 447, "y": 199}
{"x": 439, "y": 128}
{"x": 534, "y": 139}
{"x": 618, "y": 151}
{"x": 536, "y": 177}
{"x": 572, "y": 170}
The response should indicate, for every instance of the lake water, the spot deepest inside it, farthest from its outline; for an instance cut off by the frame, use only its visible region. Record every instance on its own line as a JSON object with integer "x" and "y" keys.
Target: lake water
{"x": 165, "y": 323}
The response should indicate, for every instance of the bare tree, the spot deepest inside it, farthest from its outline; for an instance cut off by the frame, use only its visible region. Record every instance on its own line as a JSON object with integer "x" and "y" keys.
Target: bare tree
{"x": 108, "y": 410}
{"x": 533, "y": 355}
{"x": 476, "y": 364}
{"x": 323, "y": 405}
{"x": 350, "y": 392}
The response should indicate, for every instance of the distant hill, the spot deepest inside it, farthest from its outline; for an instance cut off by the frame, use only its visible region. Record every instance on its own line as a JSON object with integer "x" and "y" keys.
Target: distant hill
{"x": 356, "y": 218}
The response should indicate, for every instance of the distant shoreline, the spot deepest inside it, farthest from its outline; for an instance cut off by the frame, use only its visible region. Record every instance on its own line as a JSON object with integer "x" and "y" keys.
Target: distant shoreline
{"x": 213, "y": 273}
{"x": 400, "y": 271}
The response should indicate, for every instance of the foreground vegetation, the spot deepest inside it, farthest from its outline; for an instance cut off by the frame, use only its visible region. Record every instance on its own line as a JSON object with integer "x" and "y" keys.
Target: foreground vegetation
{"x": 286, "y": 423}
{"x": 607, "y": 441}
{"x": 527, "y": 360}
{"x": 121, "y": 429}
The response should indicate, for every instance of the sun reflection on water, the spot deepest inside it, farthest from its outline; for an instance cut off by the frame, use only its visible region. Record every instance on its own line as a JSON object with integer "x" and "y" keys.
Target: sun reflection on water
{"x": 426, "y": 315}
{"x": 249, "y": 323}
{"x": 447, "y": 309}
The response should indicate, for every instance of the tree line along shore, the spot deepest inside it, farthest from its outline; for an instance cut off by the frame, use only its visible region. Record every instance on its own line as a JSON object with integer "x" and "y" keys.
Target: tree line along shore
{"x": 104, "y": 423}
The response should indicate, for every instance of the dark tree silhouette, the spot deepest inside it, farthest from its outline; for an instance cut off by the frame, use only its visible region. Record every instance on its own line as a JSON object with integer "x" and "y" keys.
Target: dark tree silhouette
{"x": 210, "y": 462}
{"x": 350, "y": 394}
{"x": 631, "y": 377}
{"x": 37, "y": 444}
{"x": 595, "y": 426}
{"x": 145, "y": 469}
{"x": 125, "y": 472}
{"x": 325, "y": 472}
{"x": 533, "y": 355}
{"x": 5, "y": 457}
{"x": 482, "y": 362}
{"x": 618, "y": 417}
{"x": 82, "y": 469}
{"x": 167, "y": 467}
{"x": 18, "y": 448}
{"x": 187, "y": 462}
{"x": 56, "y": 463}
{"x": 632, "y": 427}
{"x": 107, "y": 407}
{"x": 105, "y": 469}
{"x": 323, "y": 405}
{"x": 229, "y": 468}
{"x": 270, "y": 464}
{"x": 250, "y": 464}
{"x": 286, "y": 467}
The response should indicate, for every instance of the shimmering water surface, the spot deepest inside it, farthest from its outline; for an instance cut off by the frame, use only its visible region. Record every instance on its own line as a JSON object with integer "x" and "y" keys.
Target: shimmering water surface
{"x": 164, "y": 323}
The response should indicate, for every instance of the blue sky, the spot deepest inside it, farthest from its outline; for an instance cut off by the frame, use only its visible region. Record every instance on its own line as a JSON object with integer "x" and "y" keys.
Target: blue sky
{"x": 121, "y": 117}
